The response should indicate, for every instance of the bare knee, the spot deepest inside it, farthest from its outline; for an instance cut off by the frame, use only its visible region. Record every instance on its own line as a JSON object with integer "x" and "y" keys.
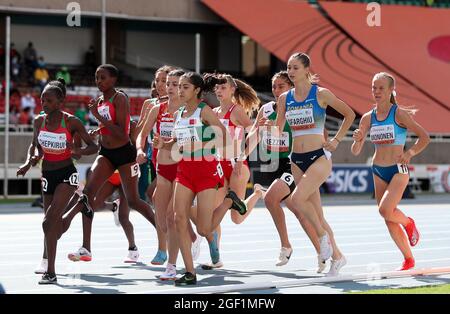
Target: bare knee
{"x": 237, "y": 219}
{"x": 271, "y": 202}
{"x": 170, "y": 221}
{"x": 124, "y": 219}
{"x": 180, "y": 223}
{"x": 385, "y": 212}
{"x": 202, "y": 231}
{"x": 134, "y": 203}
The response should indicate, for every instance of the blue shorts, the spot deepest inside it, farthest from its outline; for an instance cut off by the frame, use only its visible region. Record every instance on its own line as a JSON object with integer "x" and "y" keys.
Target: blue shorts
{"x": 387, "y": 173}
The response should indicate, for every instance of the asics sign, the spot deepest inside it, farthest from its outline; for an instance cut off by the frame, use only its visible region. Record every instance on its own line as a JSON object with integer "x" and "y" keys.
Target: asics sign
{"x": 351, "y": 180}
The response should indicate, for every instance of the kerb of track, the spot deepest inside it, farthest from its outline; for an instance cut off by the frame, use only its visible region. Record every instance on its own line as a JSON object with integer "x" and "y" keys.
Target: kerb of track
{"x": 307, "y": 282}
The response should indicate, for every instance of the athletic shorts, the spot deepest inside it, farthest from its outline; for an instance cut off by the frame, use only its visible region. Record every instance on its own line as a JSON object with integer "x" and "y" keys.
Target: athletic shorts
{"x": 51, "y": 179}
{"x": 284, "y": 173}
{"x": 200, "y": 175}
{"x": 305, "y": 160}
{"x": 227, "y": 167}
{"x": 168, "y": 172}
{"x": 387, "y": 173}
{"x": 114, "y": 179}
{"x": 120, "y": 156}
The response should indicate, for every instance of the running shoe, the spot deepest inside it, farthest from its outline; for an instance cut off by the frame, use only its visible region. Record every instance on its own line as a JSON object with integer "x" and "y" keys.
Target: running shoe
{"x": 170, "y": 273}
{"x": 336, "y": 266}
{"x": 87, "y": 209}
{"x": 160, "y": 258}
{"x": 285, "y": 255}
{"x": 258, "y": 187}
{"x": 326, "y": 249}
{"x": 237, "y": 204}
{"x": 115, "y": 210}
{"x": 408, "y": 263}
{"x": 187, "y": 279}
{"x": 48, "y": 280}
{"x": 212, "y": 266}
{"x": 321, "y": 264}
{"x": 133, "y": 256}
{"x": 195, "y": 249}
{"x": 412, "y": 232}
{"x": 81, "y": 255}
{"x": 42, "y": 269}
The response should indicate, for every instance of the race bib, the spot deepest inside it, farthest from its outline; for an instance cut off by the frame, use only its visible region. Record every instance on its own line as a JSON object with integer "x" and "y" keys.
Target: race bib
{"x": 104, "y": 112}
{"x": 166, "y": 129}
{"x": 276, "y": 144}
{"x": 219, "y": 170}
{"x": 44, "y": 183}
{"x": 135, "y": 170}
{"x": 186, "y": 135}
{"x": 53, "y": 143}
{"x": 225, "y": 122}
{"x": 74, "y": 179}
{"x": 287, "y": 178}
{"x": 403, "y": 169}
{"x": 301, "y": 119}
{"x": 382, "y": 134}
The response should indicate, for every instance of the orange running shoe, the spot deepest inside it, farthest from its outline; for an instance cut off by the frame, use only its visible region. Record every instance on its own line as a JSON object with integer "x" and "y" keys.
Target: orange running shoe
{"x": 412, "y": 232}
{"x": 408, "y": 263}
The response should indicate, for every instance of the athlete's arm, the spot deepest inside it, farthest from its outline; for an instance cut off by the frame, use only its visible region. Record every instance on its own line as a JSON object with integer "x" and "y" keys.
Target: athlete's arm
{"x": 281, "y": 114}
{"x": 327, "y": 98}
{"x": 211, "y": 119}
{"x": 145, "y": 111}
{"x": 359, "y": 135}
{"x": 32, "y": 158}
{"x": 253, "y": 139}
{"x": 405, "y": 119}
{"x": 77, "y": 127}
{"x": 147, "y": 126}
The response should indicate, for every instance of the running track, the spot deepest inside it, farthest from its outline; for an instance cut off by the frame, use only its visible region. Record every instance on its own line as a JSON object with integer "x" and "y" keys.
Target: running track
{"x": 248, "y": 251}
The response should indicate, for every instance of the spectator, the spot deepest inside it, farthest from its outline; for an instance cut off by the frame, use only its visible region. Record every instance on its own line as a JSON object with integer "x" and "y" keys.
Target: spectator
{"x": 64, "y": 74}
{"x": 90, "y": 60}
{"x": 30, "y": 58}
{"x": 25, "y": 116}
{"x": 14, "y": 53}
{"x": 28, "y": 101}
{"x": 13, "y": 116}
{"x": 15, "y": 68}
{"x": 41, "y": 76}
{"x": 82, "y": 114}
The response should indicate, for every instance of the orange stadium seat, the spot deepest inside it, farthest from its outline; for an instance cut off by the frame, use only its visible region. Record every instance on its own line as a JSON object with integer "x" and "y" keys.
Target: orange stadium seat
{"x": 284, "y": 27}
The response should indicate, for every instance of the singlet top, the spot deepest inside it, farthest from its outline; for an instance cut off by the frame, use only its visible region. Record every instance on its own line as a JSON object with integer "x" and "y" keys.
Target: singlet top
{"x": 387, "y": 132}
{"x": 165, "y": 122}
{"x": 54, "y": 143}
{"x": 232, "y": 128}
{"x": 192, "y": 129}
{"x": 107, "y": 110}
{"x": 305, "y": 117}
{"x": 275, "y": 146}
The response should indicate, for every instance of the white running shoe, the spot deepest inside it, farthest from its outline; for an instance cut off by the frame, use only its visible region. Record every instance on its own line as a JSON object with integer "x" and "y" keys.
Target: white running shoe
{"x": 115, "y": 210}
{"x": 170, "y": 273}
{"x": 195, "y": 249}
{"x": 326, "y": 249}
{"x": 321, "y": 265}
{"x": 285, "y": 255}
{"x": 133, "y": 256}
{"x": 259, "y": 187}
{"x": 336, "y": 266}
{"x": 81, "y": 255}
{"x": 42, "y": 269}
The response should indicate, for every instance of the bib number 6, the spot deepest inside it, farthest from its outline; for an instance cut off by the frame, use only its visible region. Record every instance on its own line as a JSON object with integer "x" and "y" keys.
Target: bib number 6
{"x": 287, "y": 178}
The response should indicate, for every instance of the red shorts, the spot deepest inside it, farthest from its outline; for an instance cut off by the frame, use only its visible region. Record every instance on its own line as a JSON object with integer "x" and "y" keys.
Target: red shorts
{"x": 114, "y": 179}
{"x": 168, "y": 172}
{"x": 227, "y": 167}
{"x": 200, "y": 175}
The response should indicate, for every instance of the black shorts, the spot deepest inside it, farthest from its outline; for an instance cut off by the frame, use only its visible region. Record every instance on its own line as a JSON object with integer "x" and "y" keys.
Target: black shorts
{"x": 120, "y": 156}
{"x": 305, "y": 160}
{"x": 51, "y": 179}
{"x": 284, "y": 173}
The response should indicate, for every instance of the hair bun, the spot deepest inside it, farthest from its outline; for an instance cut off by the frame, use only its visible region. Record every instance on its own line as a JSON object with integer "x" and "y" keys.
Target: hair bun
{"x": 61, "y": 80}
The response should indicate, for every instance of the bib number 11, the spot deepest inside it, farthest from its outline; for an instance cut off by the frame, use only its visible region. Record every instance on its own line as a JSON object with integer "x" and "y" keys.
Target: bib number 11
{"x": 402, "y": 168}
